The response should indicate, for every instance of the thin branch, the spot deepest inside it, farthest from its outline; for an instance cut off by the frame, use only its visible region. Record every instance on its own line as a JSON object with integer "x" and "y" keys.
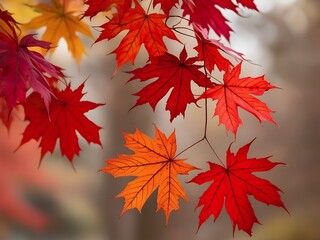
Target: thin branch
{"x": 182, "y": 33}
{"x": 176, "y": 28}
{"x": 218, "y": 80}
{"x": 192, "y": 145}
{"x": 206, "y": 113}
{"x": 149, "y": 6}
{"x": 178, "y": 16}
{"x": 205, "y": 99}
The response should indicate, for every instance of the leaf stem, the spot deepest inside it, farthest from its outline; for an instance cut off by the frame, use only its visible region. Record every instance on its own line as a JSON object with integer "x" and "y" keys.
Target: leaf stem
{"x": 205, "y": 99}
{"x": 178, "y": 16}
{"x": 206, "y": 111}
{"x": 176, "y": 28}
{"x": 149, "y": 6}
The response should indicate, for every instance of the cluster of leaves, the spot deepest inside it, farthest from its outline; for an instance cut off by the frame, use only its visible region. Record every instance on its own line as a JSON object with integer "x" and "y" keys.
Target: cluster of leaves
{"x": 53, "y": 108}
{"x": 55, "y": 111}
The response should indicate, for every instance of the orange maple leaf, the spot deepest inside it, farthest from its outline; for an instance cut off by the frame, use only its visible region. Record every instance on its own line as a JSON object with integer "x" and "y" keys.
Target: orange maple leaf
{"x": 61, "y": 21}
{"x": 144, "y": 28}
{"x": 155, "y": 166}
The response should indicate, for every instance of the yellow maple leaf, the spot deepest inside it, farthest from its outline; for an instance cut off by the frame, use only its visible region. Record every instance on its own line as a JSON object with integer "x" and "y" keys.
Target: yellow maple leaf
{"x": 20, "y": 11}
{"x": 61, "y": 21}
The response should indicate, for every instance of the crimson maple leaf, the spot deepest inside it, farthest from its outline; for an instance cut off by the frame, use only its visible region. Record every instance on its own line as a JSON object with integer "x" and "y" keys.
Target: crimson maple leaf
{"x": 66, "y": 117}
{"x": 233, "y": 184}
{"x": 171, "y": 72}
{"x": 210, "y": 51}
{"x": 8, "y": 24}
{"x": 237, "y": 92}
{"x": 21, "y": 68}
{"x": 207, "y": 13}
{"x": 147, "y": 29}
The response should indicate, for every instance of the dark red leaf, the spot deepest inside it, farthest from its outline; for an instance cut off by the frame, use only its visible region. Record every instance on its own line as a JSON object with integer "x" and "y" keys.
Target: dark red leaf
{"x": 207, "y": 13}
{"x": 210, "y": 51}
{"x": 171, "y": 73}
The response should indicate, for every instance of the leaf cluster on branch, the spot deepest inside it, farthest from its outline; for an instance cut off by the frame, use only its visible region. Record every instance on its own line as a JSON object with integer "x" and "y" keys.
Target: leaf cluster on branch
{"x": 55, "y": 111}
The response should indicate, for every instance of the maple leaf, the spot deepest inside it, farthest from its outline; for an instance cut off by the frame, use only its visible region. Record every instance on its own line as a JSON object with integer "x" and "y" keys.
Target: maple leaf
{"x": 166, "y": 5}
{"x": 57, "y": 16}
{"x": 8, "y": 24}
{"x": 207, "y": 13}
{"x": 97, "y": 6}
{"x": 210, "y": 51}
{"x": 154, "y": 165}
{"x": 147, "y": 29}
{"x": 248, "y": 4}
{"x": 233, "y": 184}
{"x": 171, "y": 72}
{"x": 22, "y": 13}
{"x": 237, "y": 92}
{"x": 66, "y": 117}
{"x": 21, "y": 68}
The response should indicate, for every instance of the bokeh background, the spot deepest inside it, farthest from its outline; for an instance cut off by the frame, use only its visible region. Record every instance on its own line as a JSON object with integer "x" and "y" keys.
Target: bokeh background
{"x": 55, "y": 202}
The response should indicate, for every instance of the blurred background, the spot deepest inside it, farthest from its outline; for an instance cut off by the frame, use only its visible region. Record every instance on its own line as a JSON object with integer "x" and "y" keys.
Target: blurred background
{"x": 55, "y": 202}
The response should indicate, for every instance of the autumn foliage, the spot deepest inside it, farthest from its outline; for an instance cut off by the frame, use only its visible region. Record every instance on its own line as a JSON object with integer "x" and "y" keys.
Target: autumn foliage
{"x": 232, "y": 184}
{"x": 155, "y": 166}
{"x": 55, "y": 110}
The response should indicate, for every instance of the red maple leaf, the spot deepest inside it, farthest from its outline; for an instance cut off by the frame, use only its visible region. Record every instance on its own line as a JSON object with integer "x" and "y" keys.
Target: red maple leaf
{"x": 171, "y": 72}
{"x": 66, "y": 117}
{"x": 237, "y": 92}
{"x": 144, "y": 28}
{"x": 97, "y": 6}
{"x": 232, "y": 185}
{"x": 166, "y": 5}
{"x": 210, "y": 51}
{"x": 207, "y": 13}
